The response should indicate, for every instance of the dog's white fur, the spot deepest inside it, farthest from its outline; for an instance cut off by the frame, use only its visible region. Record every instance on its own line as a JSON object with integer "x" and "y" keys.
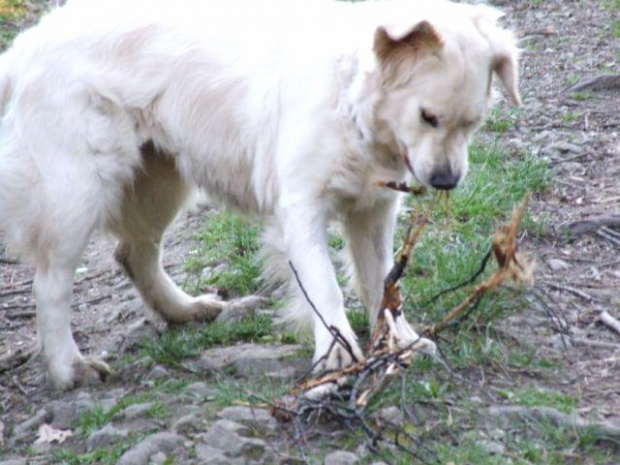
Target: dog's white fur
{"x": 286, "y": 110}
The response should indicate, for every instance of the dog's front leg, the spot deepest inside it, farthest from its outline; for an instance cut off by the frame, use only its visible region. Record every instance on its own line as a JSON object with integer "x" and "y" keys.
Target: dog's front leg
{"x": 369, "y": 234}
{"x": 305, "y": 241}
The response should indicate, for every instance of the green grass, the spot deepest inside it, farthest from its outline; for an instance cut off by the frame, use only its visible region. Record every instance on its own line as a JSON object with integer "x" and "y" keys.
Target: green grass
{"x": 615, "y": 29}
{"x": 571, "y": 117}
{"x": 498, "y": 122}
{"x": 176, "y": 345}
{"x": 233, "y": 392}
{"x": 535, "y": 397}
{"x": 12, "y": 10}
{"x": 611, "y": 5}
{"x": 581, "y": 96}
{"x": 228, "y": 240}
{"x": 451, "y": 249}
{"x": 94, "y": 419}
{"x": 108, "y": 456}
{"x": 17, "y": 14}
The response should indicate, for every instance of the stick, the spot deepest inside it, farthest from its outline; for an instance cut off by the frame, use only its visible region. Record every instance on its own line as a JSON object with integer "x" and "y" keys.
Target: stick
{"x": 468, "y": 281}
{"x": 592, "y": 343}
{"x": 610, "y": 321}
{"x": 605, "y": 234}
{"x": 592, "y": 224}
{"x": 403, "y": 187}
{"x": 570, "y": 290}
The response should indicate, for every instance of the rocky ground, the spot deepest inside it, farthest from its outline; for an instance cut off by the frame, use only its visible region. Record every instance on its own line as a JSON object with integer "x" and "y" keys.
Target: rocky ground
{"x": 177, "y": 415}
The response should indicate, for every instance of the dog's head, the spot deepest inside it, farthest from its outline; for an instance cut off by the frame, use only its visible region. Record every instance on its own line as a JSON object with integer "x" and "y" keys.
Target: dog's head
{"x": 435, "y": 78}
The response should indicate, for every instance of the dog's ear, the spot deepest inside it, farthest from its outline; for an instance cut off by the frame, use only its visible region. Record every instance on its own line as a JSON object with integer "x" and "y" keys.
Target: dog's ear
{"x": 393, "y": 45}
{"x": 504, "y": 62}
{"x": 505, "y": 67}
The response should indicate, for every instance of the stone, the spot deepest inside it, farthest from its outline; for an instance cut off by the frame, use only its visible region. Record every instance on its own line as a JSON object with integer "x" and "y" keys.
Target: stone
{"x": 112, "y": 398}
{"x": 341, "y": 457}
{"x": 492, "y": 447}
{"x": 567, "y": 147}
{"x": 555, "y": 264}
{"x": 41, "y": 448}
{"x": 141, "y": 453}
{"x": 224, "y": 435}
{"x": 158, "y": 372}
{"x": 13, "y": 462}
{"x": 234, "y": 314}
{"x": 254, "y": 368}
{"x": 391, "y": 416}
{"x": 105, "y": 436}
{"x": 22, "y": 430}
{"x": 158, "y": 458}
{"x": 135, "y": 411}
{"x": 66, "y": 414}
{"x": 201, "y": 391}
{"x": 137, "y": 332}
{"x": 283, "y": 373}
{"x": 288, "y": 460}
{"x": 249, "y": 415}
{"x": 221, "y": 357}
{"x": 208, "y": 455}
{"x": 189, "y": 423}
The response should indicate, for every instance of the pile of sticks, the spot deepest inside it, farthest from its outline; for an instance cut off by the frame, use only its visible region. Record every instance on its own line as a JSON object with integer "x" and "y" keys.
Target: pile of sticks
{"x": 345, "y": 394}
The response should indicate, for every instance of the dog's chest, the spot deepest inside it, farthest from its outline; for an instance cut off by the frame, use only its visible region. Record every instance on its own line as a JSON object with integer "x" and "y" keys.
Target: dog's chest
{"x": 355, "y": 184}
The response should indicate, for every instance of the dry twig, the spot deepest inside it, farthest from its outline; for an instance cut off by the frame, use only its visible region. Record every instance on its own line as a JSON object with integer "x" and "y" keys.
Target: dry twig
{"x": 610, "y": 321}
{"x": 510, "y": 267}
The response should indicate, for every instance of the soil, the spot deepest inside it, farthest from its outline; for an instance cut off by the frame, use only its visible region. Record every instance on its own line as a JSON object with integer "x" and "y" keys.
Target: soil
{"x": 578, "y": 274}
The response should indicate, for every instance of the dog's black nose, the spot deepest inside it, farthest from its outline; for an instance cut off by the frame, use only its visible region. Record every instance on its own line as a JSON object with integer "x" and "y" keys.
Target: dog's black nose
{"x": 444, "y": 181}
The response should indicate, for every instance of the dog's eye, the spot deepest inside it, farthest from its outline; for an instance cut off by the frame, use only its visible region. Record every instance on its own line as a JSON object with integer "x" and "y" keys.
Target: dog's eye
{"x": 429, "y": 119}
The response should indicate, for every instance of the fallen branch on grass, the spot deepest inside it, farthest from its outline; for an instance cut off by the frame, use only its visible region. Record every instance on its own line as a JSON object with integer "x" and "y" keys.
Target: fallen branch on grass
{"x": 592, "y": 224}
{"x": 344, "y": 395}
{"x": 601, "y": 82}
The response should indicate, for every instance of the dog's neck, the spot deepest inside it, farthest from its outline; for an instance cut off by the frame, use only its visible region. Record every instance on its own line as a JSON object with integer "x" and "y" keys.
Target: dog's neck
{"x": 359, "y": 99}
{"x": 370, "y": 153}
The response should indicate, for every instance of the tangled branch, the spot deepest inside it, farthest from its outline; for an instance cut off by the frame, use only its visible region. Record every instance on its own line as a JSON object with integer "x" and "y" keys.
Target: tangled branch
{"x": 344, "y": 395}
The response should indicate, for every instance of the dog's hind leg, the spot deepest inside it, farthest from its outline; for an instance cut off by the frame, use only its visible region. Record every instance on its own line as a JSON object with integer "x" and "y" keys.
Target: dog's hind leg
{"x": 148, "y": 207}
{"x": 53, "y": 285}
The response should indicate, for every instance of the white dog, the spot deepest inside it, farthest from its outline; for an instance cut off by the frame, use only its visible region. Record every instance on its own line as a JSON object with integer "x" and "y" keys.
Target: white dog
{"x": 286, "y": 110}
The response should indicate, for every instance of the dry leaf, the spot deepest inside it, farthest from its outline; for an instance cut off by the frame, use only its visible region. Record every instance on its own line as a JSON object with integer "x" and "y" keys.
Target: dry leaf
{"x": 47, "y": 434}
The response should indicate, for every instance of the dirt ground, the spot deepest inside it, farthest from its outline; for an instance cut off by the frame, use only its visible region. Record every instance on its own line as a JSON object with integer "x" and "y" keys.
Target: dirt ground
{"x": 577, "y": 247}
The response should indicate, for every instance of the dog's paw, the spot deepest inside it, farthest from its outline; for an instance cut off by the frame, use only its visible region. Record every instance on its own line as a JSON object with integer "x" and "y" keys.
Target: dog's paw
{"x": 330, "y": 355}
{"x": 203, "y": 308}
{"x": 237, "y": 309}
{"x": 407, "y": 337}
{"x": 84, "y": 371}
